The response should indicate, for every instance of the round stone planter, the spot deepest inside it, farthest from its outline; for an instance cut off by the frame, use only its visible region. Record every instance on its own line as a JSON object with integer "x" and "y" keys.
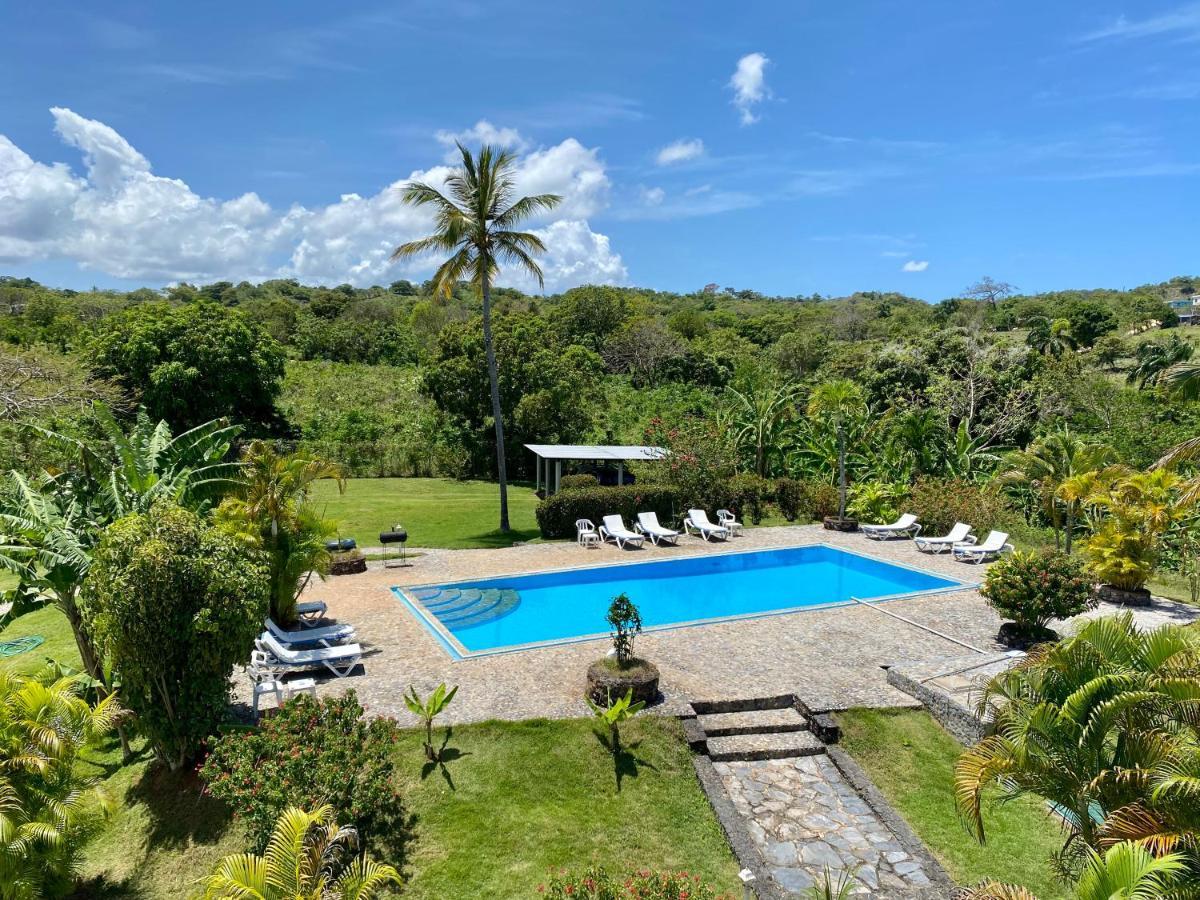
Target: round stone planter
{"x": 352, "y": 566}
{"x": 839, "y": 523}
{"x": 1018, "y": 639}
{"x": 1110, "y": 594}
{"x": 605, "y": 680}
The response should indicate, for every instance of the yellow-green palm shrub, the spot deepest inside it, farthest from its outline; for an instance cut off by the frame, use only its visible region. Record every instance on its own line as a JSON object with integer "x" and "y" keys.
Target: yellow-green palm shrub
{"x": 1136, "y": 510}
{"x": 46, "y": 806}
{"x": 1126, "y": 871}
{"x": 309, "y": 857}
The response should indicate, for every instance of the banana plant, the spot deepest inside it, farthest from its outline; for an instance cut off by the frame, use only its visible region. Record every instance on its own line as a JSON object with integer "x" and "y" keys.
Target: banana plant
{"x": 616, "y": 713}
{"x": 427, "y": 710}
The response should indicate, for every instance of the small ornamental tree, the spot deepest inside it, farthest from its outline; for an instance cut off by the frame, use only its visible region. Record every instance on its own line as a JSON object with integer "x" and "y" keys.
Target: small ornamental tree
{"x": 626, "y": 623}
{"x": 1033, "y": 588}
{"x": 174, "y": 605}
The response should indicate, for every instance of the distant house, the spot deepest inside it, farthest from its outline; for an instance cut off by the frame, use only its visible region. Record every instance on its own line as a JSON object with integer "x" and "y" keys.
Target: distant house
{"x": 1187, "y": 308}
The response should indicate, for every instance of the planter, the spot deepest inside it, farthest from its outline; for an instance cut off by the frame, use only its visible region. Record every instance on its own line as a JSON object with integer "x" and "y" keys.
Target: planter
{"x": 840, "y": 523}
{"x": 349, "y": 566}
{"x": 605, "y": 679}
{"x": 1017, "y": 638}
{"x": 1136, "y": 597}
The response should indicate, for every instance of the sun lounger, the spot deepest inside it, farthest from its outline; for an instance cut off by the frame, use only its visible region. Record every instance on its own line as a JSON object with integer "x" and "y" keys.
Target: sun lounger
{"x": 614, "y": 530}
{"x": 340, "y": 659}
{"x": 993, "y": 545}
{"x": 325, "y": 635}
{"x": 959, "y": 534}
{"x": 698, "y": 519}
{"x": 727, "y": 519}
{"x": 648, "y": 525}
{"x": 311, "y": 612}
{"x": 905, "y": 526}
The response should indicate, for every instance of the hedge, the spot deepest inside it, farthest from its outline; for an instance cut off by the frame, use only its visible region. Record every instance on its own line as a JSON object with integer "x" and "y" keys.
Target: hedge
{"x": 556, "y": 514}
{"x": 575, "y": 482}
{"x": 940, "y": 502}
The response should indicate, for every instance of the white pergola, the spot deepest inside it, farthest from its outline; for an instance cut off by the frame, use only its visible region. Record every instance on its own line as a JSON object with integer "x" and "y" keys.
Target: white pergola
{"x": 555, "y": 453}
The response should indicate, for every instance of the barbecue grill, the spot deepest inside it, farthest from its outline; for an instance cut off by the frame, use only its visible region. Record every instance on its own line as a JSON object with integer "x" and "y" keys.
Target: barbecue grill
{"x": 398, "y": 535}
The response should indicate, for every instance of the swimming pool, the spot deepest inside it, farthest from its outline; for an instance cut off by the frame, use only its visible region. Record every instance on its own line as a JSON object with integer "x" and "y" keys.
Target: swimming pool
{"x": 472, "y": 618}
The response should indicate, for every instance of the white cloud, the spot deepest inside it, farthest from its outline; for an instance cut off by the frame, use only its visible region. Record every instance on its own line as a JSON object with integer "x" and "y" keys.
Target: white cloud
{"x": 750, "y": 85}
{"x": 482, "y": 132}
{"x": 680, "y": 151}
{"x": 1183, "y": 21}
{"x": 915, "y": 265}
{"x": 653, "y": 196}
{"x": 122, "y": 219}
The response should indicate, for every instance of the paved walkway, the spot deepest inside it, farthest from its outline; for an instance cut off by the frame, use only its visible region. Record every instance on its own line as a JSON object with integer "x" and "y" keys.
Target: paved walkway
{"x": 805, "y": 820}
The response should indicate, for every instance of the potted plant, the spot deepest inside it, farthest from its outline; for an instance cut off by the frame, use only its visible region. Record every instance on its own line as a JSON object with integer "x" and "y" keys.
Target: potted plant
{"x": 1031, "y": 589}
{"x": 621, "y": 672}
{"x": 350, "y": 562}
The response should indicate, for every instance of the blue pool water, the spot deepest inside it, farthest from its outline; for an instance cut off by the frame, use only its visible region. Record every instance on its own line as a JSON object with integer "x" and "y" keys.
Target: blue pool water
{"x": 516, "y": 610}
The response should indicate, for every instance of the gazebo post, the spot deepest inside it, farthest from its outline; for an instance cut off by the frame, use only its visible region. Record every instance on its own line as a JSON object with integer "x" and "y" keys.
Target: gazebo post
{"x": 557, "y": 475}
{"x": 537, "y": 472}
{"x": 620, "y": 473}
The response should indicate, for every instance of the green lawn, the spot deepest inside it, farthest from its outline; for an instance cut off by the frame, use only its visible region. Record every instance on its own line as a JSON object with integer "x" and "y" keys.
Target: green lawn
{"x": 437, "y": 512}
{"x": 911, "y": 759}
{"x": 51, "y": 624}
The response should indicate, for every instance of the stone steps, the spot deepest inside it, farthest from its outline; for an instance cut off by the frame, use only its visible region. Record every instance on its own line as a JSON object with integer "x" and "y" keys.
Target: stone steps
{"x": 754, "y": 721}
{"x": 771, "y": 745}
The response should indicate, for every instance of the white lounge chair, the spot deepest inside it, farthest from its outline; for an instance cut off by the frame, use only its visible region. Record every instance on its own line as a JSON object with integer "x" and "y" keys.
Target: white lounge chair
{"x": 340, "y": 659}
{"x": 586, "y": 534}
{"x": 325, "y": 635}
{"x": 698, "y": 519}
{"x": 648, "y": 525}
{"x": 311, "y": 612}
{"x": 905, "y": 526}
{"x": 726, "y": 518}
{"x": 959, "y": 534}
{"x": 993, "y": 545}
{"x": 614, "y": 530}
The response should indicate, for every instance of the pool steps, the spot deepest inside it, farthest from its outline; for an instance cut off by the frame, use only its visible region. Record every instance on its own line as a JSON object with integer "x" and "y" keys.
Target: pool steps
{"x": 753, "y": 729}
{"x": 469, "y": 606}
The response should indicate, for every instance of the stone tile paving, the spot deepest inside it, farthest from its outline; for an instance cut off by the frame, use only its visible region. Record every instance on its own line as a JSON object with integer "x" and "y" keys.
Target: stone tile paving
{"x": 833, "y": 658}
{"x": 804, "y": 818}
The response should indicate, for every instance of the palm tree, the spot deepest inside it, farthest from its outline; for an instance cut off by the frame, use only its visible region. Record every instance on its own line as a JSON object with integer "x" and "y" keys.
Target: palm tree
{"x": 1152, "y": 360}
{"x": 762, "y": 418}
{"x": 1049, "y": 461}
{"x": 1051, "y": 338}
{"x": 45, "y": 799}
{"x": 838, "y": 403}
{"x": 923, "y": 439}
{"x": 271, "y": 508}
{"x": 308, "y": 858}
{"x": 1082, "y": 722}
{"x": 476, "y": 225}
{"x": 1126, "y": 871}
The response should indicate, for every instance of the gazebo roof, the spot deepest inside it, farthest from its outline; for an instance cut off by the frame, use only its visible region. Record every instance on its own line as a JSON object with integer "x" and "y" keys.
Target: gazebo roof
{"x": 596, "y": 452}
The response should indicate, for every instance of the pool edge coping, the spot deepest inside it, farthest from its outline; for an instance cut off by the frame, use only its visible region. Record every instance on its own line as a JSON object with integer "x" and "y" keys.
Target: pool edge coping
{"x": 458, "y": 652}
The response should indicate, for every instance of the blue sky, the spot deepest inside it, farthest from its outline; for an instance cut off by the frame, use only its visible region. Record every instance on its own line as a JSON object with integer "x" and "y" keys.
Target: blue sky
{"x": 786, "y": 147}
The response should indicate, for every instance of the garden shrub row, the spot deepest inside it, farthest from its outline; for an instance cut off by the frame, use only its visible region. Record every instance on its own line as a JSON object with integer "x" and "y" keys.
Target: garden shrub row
{"x": 940, "y": 502}
{"x": 556, "y": 514}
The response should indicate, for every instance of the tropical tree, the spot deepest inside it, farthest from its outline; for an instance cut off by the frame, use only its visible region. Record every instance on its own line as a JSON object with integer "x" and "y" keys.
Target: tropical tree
{"x": 837, "y": 404}
{"x": 1048, "y": 462}
{"x": 476, "y": 225}
{"x": 309, "y": 857}
{"x": 967, "y": 457}
{"x": 271, "y": 507}
{"x": 921, "y": 436}
{"x": 1125, "y": 871}
{"x": 1136, "y": 509}
{"x": 762, "y": 418}
{"x": 46, "y": 801}
{"x": 1082, "y": 724}
{"x": 1051, "y": 337}
{"x": 1153, "y": 359}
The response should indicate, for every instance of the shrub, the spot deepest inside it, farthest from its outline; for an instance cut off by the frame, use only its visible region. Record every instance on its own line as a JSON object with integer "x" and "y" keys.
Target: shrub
{"x": 556, "y": 514}
{"x": 597, "y": 884}
{"x": 748, "y": 496}
{"x": 174, "y": 603}
{"x": 877, "y": 501}
{"x": 790, "y": 498}
{"x": 311, "y": 750}
{"x": 822, "y": 499}
{"x": 940, "y": 502}
{"x": 574, "y": 482}
{"x": 1033, "y": 588}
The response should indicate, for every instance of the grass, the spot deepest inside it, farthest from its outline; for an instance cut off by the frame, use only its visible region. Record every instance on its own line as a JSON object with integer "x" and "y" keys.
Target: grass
{"x": 911, "y": 759}
{"x": 59, "y": 646}
{"x": 437, "y": 512}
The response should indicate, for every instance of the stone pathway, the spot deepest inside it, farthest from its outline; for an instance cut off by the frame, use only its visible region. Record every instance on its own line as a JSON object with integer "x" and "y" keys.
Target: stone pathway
{"x": 803, "y": 817}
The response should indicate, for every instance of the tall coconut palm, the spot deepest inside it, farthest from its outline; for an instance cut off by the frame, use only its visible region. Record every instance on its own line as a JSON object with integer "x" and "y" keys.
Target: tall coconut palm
{"x": 476, "y": 224}
{"x": 309, "y": 857}
{"x": 838, "y": 404}
{"x": 762, "y": 417}
{"x": 45, "y": 799}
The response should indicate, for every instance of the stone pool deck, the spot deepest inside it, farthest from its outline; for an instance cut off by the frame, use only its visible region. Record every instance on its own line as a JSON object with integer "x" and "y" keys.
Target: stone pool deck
{"x": 833, "y": 658}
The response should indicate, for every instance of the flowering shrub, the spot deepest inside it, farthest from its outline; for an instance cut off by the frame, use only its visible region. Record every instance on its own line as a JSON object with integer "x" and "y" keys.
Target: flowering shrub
{"x": 700, "y": 462}
{"x": 597, "y": 884}
{"x": 1033, "y": 588}
{"x": 940, "y": 502}
{"x": 312, "y": 751}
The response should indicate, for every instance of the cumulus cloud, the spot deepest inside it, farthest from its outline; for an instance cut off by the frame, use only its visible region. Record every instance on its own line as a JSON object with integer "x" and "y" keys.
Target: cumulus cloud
{"x": 915, "y": 265}
{"x": 482, "y": 132}
{"x": 653, "y": 196}
{"x": 680, "y": 151}
{"x": 749, "y": 85}
{"x": 120, "y": 218}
